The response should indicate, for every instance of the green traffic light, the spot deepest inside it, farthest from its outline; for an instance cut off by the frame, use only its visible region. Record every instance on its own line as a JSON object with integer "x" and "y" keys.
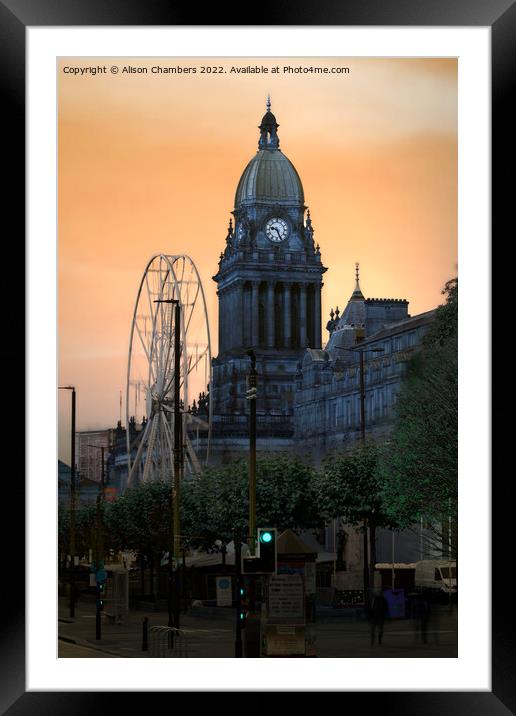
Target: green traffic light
{"x": 266, "y": 537}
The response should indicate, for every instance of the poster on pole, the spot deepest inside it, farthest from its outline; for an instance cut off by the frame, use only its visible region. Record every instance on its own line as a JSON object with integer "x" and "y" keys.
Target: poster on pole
{"x": 286, "y": 599}
{"x": 224, "y": 592}
{"x": 285, "y": 640}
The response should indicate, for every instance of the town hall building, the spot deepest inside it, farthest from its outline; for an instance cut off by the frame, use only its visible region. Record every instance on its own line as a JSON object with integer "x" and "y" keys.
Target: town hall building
{"x": 269, "y": 282}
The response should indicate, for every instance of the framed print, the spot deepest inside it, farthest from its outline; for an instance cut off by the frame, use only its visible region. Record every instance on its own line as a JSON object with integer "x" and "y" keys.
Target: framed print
{"x": 190, "y": 190}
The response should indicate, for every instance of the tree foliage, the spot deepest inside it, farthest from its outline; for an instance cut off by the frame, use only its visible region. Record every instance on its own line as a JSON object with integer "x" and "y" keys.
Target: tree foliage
{"x": 139, "y": 519}
{"x": 349, "y": 486}
{"x": 216, "y": 504}
{"x": 419, "y": 462}
{"x": 213, "y": 507}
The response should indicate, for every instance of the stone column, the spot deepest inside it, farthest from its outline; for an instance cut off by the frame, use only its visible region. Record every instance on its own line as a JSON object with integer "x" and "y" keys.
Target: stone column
{"x": 224, "y": 307}
{"x": 221, "y": 322}
{"x": 270, "y": 314}
{"x": 317, "y": 315}
{"x": 228, "y": 317}
{"x": 302, "y": 316}
{"x": 287, "y": 316}
{"x": 255, "y": 314}
{"x": 238, "y": 316}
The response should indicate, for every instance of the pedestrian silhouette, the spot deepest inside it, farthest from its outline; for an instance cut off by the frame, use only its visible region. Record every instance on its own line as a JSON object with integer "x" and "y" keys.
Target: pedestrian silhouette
{"x": 378, "y": 609}
{"x": 422, "y": 615}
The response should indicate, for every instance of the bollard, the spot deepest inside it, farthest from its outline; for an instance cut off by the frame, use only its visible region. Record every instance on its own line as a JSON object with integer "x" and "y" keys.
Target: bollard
{"x": 145, "y": 635}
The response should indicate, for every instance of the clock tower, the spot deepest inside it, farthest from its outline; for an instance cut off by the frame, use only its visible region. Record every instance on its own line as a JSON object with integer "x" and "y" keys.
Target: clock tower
{"x": 269, "y": 283}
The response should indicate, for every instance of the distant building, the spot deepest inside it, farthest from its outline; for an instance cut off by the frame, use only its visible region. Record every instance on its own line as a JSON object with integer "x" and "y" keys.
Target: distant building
{"x": 117, "y": 463}
{"x": 85, "y": 491}
{"x": 327, "y": 398}
{"x": 88, "y": 453}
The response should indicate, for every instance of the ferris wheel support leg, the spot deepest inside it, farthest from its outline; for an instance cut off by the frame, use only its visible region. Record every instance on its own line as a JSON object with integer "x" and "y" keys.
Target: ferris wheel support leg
{"x": 136, "y": 464}
{"x": 150, "y": 448}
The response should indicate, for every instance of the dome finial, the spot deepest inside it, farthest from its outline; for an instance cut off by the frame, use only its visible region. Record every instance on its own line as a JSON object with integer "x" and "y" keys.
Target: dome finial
{"x": 268, "y": 102}
{"x": 357, "y": 293}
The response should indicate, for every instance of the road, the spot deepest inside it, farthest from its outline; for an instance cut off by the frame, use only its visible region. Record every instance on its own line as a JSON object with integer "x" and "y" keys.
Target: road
{"x": 210, "y": 633}
{"x": 66, "y": 650}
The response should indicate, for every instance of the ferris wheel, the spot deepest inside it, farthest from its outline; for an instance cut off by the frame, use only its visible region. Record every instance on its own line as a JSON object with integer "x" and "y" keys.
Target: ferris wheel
{"x": 168, "y": 280}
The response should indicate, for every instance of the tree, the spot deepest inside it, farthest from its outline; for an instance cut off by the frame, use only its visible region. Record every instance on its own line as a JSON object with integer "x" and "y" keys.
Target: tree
{"x": 216, "y": 504}
{"x": 419, "y": 462}
{"x": 349, "y": 486}
{"x": 139, "y": 521}
{"x": 63, "y": 533}
{"x": 85, "y": 528}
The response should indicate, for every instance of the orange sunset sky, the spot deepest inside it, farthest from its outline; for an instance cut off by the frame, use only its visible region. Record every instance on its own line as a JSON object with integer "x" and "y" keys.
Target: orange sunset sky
{"x": 149, "y": 163}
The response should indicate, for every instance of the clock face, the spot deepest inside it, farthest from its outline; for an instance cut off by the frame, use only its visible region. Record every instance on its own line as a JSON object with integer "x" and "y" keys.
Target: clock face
{"x": 276, "y": 230}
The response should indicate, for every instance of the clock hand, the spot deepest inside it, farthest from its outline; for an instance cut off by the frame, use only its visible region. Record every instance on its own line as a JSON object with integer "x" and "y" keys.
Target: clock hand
{"x": 277, "y": 232}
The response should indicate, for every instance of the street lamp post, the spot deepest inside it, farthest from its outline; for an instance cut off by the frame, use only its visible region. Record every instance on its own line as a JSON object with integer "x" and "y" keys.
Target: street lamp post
{"x": 361, "y": 352}
{"x": 72, "y": 502}
{"x": 251, "y": 396}
{"x": 99, "y": 551}
{"x": 252, "y": 627}
{"x": 173, "y": 593}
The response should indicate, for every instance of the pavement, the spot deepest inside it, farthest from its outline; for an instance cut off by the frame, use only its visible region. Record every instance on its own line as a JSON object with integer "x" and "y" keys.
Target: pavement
{"x": 210, "y": 633}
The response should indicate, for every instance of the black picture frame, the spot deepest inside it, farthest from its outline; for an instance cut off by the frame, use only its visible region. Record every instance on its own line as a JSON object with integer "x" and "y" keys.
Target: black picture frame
{"x": 15, "y": 17}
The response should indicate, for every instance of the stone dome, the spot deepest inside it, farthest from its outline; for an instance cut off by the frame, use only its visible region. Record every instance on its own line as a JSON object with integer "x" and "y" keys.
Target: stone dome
{"x": 269, "y": 177}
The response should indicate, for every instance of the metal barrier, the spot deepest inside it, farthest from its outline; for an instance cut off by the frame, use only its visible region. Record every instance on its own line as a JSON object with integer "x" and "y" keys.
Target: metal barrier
{"x": 116, "y": 595}
{"x": 167, "y": 642}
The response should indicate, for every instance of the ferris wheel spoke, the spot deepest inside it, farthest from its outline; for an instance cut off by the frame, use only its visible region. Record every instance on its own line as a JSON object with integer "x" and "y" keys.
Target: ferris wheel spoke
{"x": 192, "y": 305}
{"x": 198, "y": 359}
{"x": 168, "y": 435}
{"x": 163, "y": 465}
{"x": 149, "y": 294}
{"x": 145, "y": 349}
{"x": 149, "y": 457}
{"x": 182, "y": 270}
{"x": 166, "y": 367}
{"x": 168, "y": 409}
{"x": 171, "y": 383}
{"x": 191, "y": 368}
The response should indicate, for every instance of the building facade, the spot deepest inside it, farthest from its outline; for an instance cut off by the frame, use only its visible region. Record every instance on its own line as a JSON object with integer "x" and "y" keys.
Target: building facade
{"x": 330, "y": 382}
{"x": 269, "y": 282}
{"x": 89, "y": 454}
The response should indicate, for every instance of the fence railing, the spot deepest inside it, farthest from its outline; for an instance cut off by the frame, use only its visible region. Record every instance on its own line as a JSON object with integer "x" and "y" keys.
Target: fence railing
{"x": 167, "y": 642}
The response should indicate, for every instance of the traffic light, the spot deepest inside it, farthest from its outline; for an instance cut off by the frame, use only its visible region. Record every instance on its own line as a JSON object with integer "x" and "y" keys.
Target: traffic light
{"x": 267, "y": 548}
{"x": 244, "y": 606}
{"x": 100, "y": 594}
{"x": 266, "y": 553}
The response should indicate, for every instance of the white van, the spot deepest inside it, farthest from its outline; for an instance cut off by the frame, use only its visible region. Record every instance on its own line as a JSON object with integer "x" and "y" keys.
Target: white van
{"x": 438, "y": 574}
